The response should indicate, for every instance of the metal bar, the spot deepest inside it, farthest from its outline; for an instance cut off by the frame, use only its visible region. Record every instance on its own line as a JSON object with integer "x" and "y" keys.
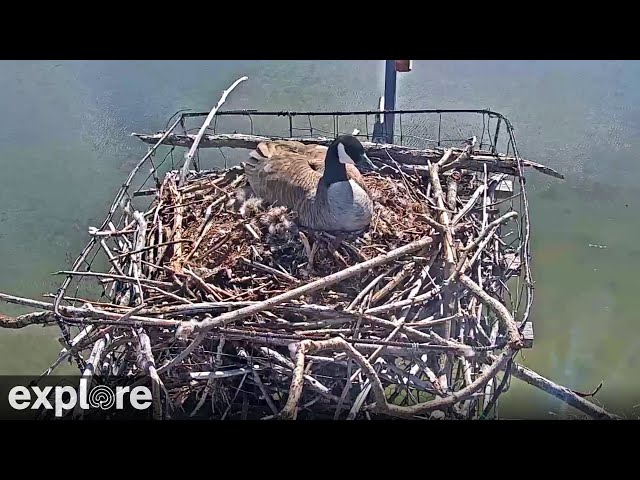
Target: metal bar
{"x": 390, "y": 77}
{"x": 283, "y": 113}
{"x": 366, "y": 125}
{"x": 495, "y": 138}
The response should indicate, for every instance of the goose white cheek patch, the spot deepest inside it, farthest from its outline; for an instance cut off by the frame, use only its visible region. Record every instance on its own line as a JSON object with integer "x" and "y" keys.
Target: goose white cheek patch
{"x": 343, "y": 156}
{"x": 256, "y": 155}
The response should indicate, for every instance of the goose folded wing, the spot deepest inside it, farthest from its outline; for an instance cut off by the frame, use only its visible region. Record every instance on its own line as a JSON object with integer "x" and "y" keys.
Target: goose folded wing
{"x": 284, "y": 179}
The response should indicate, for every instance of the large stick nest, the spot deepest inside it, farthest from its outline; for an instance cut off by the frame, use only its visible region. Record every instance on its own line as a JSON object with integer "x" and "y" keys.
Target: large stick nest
{"x": 221, "y": 249}
{"x": 231, "y": 310}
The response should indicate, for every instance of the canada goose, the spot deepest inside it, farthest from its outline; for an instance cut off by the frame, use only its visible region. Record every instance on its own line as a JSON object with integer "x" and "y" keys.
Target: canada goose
{"x": 320, "y": 184}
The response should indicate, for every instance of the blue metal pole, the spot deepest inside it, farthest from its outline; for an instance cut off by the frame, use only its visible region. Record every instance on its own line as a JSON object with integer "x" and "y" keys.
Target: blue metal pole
{"x": 389, "y": 98}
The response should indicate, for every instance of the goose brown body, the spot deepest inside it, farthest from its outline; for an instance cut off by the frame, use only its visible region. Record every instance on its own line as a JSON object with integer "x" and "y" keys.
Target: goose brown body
{"x": 292, "y": 174}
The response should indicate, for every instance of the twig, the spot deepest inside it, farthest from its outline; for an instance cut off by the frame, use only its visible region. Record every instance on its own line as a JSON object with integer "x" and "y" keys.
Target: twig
{"x": 144, "y": 281}
{"x": 224, "y": 415}
{"x": 266, "y": 395}
{"x": 176, "y": 234}
{"x": 505, "y": 318}
{"x": 206, "y": 226}
{"x": 313, "y": 382}
{"x": 270, "y": 270}
{"x": 393, "y": 283}
{"x": 310, "y": 287}
{"x": 151, "y": 247}
{"x": 488, "y": 228}
{"x": 467, "y": 206}
{"x": 192, "y": 151}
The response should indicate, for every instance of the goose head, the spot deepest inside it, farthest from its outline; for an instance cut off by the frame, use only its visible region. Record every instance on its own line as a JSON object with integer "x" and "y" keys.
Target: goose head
{"x": 345, "y": 150}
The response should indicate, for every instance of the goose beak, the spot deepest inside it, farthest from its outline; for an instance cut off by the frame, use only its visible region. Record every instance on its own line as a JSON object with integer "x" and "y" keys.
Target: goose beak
{"x": 367, "y": 163}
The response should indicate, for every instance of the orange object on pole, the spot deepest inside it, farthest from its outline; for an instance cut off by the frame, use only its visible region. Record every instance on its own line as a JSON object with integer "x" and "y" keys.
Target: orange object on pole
{"x": 403, "y": 65}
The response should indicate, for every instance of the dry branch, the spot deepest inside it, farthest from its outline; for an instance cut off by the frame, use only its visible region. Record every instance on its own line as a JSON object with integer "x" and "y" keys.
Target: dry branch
{"x": 562, "y": 393}
{"x": 196, "y": 141}
{"x": 311, "y": 287}
{"x": 417, "y": 158}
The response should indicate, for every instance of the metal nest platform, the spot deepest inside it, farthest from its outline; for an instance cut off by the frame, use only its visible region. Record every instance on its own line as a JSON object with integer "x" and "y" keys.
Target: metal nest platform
{"x": 229, "y": 314}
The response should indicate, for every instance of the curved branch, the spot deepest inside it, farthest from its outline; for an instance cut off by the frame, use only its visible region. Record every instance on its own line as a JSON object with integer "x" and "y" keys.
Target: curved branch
{"x": 205, "y": 125}
{"x": 488, "y": 228}
{"x": 562, "y": 393}
{"x": 455, "y": 397}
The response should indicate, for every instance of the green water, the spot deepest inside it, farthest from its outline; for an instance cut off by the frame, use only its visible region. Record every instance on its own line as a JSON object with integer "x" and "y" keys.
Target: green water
{"x": 65, "y": 150}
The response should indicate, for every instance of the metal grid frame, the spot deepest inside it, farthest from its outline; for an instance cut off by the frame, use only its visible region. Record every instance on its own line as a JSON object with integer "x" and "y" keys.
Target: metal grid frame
{"x": 490, "y": 137}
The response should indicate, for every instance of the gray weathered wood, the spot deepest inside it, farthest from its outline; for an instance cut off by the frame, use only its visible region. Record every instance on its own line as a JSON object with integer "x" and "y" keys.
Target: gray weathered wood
{"x": 418, "y": 159}
{"x": 221, "y": 373}
{"x": 504, "y": 189}
{"x": 562, "y": 393}
{"x": 527, "y": 335}
{"x": 196, "y": 141}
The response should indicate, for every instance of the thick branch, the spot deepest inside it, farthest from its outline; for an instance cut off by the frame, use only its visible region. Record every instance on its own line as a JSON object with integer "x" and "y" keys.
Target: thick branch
{"x": 22, "y": 321}
{"x": 504, "y": 317}
{"x": 196, "y": 141}
{"x": 148, "y": 365}
{"x": 563, "y": 393}
{"x": 416, "y": 158}
{"x": 313, "y": 286}
{"x": 455, "y": 397}
{"x": 307, "y": 346}
{"x": 84, "y": 314}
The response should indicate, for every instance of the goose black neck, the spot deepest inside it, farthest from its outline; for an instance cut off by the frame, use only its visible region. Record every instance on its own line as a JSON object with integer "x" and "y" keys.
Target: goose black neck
{"x": 334, "y": 170}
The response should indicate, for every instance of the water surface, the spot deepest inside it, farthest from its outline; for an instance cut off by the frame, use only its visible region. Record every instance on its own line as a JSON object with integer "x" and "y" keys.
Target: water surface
{"x": 65, "y": 150}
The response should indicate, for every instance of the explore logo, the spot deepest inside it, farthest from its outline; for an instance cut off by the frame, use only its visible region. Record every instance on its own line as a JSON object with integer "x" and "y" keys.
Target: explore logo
{"x": 61, "y": 398}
